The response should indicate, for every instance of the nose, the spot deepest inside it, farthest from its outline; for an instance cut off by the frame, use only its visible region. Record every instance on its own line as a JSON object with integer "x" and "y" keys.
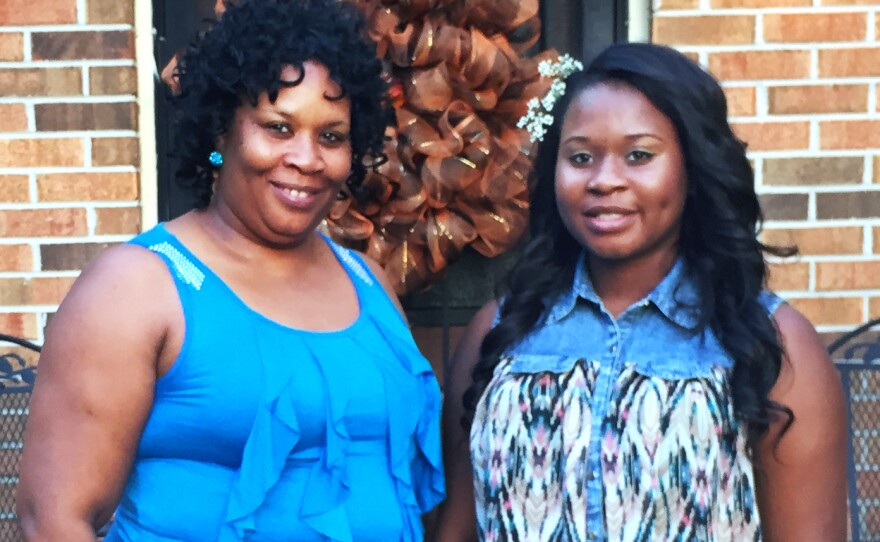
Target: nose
{"x": 608, "y": 176}
{"x": 303, "y": 152}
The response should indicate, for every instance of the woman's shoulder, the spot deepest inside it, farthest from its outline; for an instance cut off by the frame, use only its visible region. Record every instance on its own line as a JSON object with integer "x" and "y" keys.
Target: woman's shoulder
{"x": 770, "y": 301}
{"x": 366, "y": 269}
{"x": 121, "y": 264}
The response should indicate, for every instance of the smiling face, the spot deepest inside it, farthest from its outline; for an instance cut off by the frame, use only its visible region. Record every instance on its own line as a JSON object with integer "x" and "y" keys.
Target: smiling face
{"x": 620, "y": 177}
{"x": 285, "y": 162}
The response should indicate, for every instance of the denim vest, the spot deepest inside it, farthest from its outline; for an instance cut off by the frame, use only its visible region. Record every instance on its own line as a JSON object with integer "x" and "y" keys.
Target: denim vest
{"x": 623, "y": 429}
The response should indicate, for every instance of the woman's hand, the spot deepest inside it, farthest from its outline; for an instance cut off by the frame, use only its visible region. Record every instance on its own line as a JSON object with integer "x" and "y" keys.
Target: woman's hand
{"x": 118, "y": 326}
{"x": 801, "y": 477}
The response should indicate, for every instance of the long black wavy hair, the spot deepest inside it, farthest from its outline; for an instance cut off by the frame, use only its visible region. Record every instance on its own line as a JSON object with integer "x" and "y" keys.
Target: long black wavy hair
{"x": 718, "y": 241}
{"x": 241, "y": 56}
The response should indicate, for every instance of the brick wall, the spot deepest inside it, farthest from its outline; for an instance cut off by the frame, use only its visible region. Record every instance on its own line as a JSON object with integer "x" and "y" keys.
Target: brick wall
{"x": 802, "y": 77}
{"x": 68, "y": 147}
{"x": 802, "y": 81}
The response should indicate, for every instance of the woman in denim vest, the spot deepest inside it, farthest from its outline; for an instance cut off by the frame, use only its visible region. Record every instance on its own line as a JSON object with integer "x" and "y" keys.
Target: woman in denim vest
{"x": 636, "y": 382}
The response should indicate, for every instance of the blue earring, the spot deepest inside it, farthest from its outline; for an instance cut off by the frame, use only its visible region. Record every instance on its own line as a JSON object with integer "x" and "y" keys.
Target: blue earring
{"x": 215, "y": 158}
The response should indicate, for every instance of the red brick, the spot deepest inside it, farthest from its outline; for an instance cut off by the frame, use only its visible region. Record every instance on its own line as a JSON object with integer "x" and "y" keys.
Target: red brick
{"x": 789, "y": 276}
{"x": 109, "y": 44}
{"x": 41, "y": 81}
{"x": 856, "y": 62}
{"x": 11, "y": 46}
{"x": 13, "y": 118}
{"x": 849, "y": 134}
{"x": 16, "y": 258}
{"x": 85, "y": 116}
{"x": 834, "y": 205}
{"x": 772, "y": 136}
{"x": 35, "y": 291}
{"x": 115, "y": 151}
{"x": 876, "y": 236}
{"x": 874, "y": 308}
{"x": 43, "y": 223}
{"x": 818, "y": 99}
{"x": 14, "y": 189}
{"x": 848, "y": 275}
{"x": 118, "y": 221}
{"x": 817, "y": 170}
{"x": 49, "y": 290}
{"x": 69, "y": 256}
{"x": 821, "y": 240}
{"x": 60, "y": 152}
{"x": 759, "y": 3}
{"x": 19, "y": 324}
{"x": 813, "y": 27}
{"x": 28, "y": 12}
{"x": 830, "y": 311}
{"x": 741, "y": 65}
{"x": 678, "y": 4}
{"x": 740, "y": 101}
{"x": 785, "y": 206}
{"x": 848, "y": 2}
{"x": 110, "y": 80}
{"x": 87, "y": 187}
{"x": 110, "y": 12}
{"x": 705, "y": 30}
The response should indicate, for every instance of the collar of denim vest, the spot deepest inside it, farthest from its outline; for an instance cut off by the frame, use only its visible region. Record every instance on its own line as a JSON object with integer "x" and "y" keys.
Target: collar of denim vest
{"x": 675, "y": 296}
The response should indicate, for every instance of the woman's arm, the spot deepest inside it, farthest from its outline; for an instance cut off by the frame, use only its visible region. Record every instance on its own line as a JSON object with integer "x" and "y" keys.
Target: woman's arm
{"x": 93, "y": 394}
{"x": 802, "y": 479}
{"x": 457, "y": 517}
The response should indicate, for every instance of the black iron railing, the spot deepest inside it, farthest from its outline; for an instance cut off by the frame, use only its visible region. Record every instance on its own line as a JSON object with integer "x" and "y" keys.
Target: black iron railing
{"x": 857, "y": 355}
{"x": 17, "y": 378}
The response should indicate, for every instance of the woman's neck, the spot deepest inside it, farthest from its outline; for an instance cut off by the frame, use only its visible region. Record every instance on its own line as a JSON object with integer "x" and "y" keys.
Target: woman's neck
{"x": 620, "y": 283}
{"x": 232, "y": 238}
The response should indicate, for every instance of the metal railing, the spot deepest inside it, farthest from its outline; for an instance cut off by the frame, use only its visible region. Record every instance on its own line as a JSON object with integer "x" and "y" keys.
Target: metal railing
{"x": 17, "y": 378}
{"x": 857, "y": 356}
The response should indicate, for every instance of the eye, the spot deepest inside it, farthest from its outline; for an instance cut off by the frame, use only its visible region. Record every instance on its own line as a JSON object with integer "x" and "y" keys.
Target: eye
{"x": 334, "y": 138}
{"x": 581, "y": 158}
{"x": 639, "y": 156}
{"x": 278, "y": 128}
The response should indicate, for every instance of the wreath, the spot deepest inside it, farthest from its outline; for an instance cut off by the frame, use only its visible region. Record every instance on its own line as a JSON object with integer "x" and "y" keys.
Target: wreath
{"x": 458, "y": 165}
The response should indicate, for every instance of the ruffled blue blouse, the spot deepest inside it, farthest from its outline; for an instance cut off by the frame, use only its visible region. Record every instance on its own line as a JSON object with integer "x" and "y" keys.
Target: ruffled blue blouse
{"x": 263, "y": 432}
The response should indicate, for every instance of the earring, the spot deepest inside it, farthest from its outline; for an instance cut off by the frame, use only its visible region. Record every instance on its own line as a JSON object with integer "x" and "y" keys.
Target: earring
{"x": 215, "y": 158}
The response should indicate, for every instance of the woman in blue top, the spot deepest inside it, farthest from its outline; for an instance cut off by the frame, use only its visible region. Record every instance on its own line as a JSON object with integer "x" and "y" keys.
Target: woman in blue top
{"x": 233, "y": 374}
{"x": 636, "y": 382}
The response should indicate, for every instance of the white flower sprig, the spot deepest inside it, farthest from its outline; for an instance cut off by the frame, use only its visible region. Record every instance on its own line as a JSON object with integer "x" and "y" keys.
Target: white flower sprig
{"x": 538, "y": 117}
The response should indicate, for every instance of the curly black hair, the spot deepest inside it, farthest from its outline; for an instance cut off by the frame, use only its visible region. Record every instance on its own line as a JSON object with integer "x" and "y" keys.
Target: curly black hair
{"x": 718, "y": 234}
{"x": 241, "y": 56}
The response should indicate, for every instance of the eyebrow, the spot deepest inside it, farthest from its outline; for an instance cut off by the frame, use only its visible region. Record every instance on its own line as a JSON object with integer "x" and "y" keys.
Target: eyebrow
{"x": 585, "y": 139}
{"x": 641, "y": 135}
{"x": 330, "y": 123}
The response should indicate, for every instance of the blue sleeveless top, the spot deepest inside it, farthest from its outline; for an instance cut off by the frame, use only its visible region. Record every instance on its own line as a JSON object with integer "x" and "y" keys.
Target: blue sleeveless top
{"x": 263, "y": 432}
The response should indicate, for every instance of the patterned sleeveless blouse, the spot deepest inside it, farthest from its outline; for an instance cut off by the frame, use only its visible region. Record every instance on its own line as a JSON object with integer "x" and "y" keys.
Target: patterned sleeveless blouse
{"x": 621, "y": 430}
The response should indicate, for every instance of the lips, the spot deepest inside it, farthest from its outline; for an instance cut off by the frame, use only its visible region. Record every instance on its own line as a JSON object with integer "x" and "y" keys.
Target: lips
{"x": 607, "y": 219}
{"x": 298, "y": 197}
